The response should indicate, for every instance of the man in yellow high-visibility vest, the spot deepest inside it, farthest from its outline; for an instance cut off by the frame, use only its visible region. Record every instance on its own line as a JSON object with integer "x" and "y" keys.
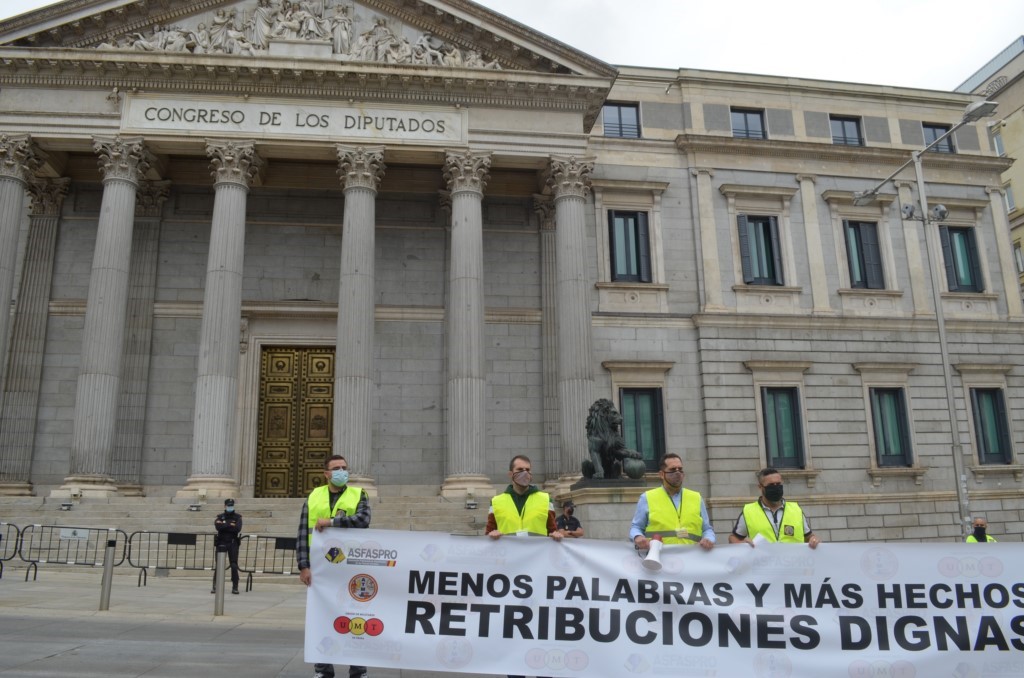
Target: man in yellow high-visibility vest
{"x": 980, "y": 532}
{"x": 521, "y": 509}
{"x": 333, "y": 504}
{"x": 771, "y": 517}
{"x": 672, "y": 512}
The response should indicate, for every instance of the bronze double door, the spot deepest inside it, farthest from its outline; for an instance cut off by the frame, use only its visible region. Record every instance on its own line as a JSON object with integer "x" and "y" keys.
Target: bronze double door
{"x": 296, "y": 409}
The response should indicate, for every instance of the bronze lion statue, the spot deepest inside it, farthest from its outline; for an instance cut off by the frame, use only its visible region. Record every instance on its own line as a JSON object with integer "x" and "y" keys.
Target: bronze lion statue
{"x": 609, "y": 455}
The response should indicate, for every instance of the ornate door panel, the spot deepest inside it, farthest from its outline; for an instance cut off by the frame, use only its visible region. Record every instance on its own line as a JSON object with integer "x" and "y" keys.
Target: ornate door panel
{"x": 295, "y": 420}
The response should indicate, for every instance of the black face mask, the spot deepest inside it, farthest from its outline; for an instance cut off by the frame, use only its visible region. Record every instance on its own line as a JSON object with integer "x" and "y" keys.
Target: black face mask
{"x": 773, "y": 493}
{"x": 979, "y": 534}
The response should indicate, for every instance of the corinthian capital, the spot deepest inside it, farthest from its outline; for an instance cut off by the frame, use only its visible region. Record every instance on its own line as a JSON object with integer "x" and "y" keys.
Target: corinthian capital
{"x": 17, "y": 157}
{"x": 570, "y": 177}
{"x": 360, "y": 166}
{"x": 150, "y": 198}
{"x": 122, "y": 157}
{"x": 467, "y": 171}
{"x": 234, "y": 162}
{"x": 48, "y": 196}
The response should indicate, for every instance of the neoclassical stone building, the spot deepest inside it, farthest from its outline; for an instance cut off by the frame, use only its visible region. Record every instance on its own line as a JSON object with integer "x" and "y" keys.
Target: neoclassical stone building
{"x": 238, "y": 235}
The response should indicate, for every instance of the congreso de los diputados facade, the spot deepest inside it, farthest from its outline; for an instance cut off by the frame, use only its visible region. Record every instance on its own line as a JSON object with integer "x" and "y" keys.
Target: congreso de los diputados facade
{"x": 236, "y": 236}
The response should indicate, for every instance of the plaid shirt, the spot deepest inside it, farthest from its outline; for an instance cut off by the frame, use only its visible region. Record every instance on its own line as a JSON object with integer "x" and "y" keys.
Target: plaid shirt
{"x": 360, "y": 519}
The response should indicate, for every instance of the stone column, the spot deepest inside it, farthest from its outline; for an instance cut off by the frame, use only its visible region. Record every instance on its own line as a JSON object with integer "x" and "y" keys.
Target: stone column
{"x": 569, "y": 182}
{"x": 28, "y": 339}
{"x": 361, "y": 170}
{"x": 466, "y": 175}
{"x": 812, "y": 236}
{"x": 236, "y": 167}
{"x": 557, "y": 475}
{"x": 126, "y": 465}
{"x": 1004, "y": 247}
{"x": 708, "y": 240}
{"x": 124, "y": 161}
{"x": 17, "y": 162}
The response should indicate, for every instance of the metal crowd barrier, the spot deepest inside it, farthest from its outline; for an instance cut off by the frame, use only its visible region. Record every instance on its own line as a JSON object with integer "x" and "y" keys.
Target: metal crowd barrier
{"x": 171, "y": 551}
{"x": 260, "y": 554}
{"x": 67, "y": 545}
{"x": 9, "y": 536}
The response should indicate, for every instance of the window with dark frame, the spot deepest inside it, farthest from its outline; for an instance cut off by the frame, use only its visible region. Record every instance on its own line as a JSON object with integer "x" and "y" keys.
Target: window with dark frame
{"x": 891, "y": 427}
{"x": 864, "y": 255}
{"x": 846, "y": 131}
{"x": 933, "y": 132}
{"x": 643, "y": 423}
{"x": 629, "y": 241}
{"x": 748, "y": 123}
{"x": 783, "y": 440}
{"x": 991, "y": 426}
{"x": 621, "y": 120}
{"x": 760, "y": 251}
{"x": 960, "y": 257}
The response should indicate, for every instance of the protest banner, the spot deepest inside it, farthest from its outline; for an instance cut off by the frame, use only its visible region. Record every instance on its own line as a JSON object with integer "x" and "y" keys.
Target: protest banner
{"x": 522, "y": 605}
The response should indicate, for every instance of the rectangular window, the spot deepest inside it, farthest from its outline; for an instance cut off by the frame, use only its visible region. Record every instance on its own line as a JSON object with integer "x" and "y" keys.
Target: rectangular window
{"x": 1011, "y": 203}
{"x": 991, "y": 426}
{"x": 622, "y": 120}
{"x": 891, "y": 427}
{"x": 782, "y": 436}
{"x": 960, "y": 256}
{"x": 933, "y": 132}
{"x": 748, "y": 124}
{"x": 630, "y": 240}
{"x": 1018, "y": 256}
{"x": 864, "y": 255}
{"x": 997, "y": 143}
{"x": 760, "y": 253}
{"x": 846, "y": 131}
{"x": 643, "y": 425}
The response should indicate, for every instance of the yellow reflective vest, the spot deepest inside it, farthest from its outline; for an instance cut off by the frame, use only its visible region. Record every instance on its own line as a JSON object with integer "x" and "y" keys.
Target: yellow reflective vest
{"x": 791, "y": 531}
{"x": 972, "y": 540}
{"x": 533, "y": 519}
{"x": 319, "y": 504}
{"x": 676, "y": 526}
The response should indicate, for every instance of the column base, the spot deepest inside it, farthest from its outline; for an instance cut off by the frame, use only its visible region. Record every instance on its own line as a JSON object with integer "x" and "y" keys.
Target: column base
{"x": 130, "y": 490}
{"x": 561, "y": 487}
{"x": 15, "y": 489}
{"x": 80, "y": 487}
{"x": 465, "y": 487}
{"x": 201, "y": 487}
{"x": 366, "y": 483}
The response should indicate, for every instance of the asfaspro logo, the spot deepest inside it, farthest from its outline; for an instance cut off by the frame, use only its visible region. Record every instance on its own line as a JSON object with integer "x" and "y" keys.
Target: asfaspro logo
{"x": 371, "y": 554}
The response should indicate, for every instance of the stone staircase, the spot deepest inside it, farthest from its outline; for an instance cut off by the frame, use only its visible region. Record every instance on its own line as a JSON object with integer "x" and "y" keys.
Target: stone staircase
{"x": 271, "y": 517}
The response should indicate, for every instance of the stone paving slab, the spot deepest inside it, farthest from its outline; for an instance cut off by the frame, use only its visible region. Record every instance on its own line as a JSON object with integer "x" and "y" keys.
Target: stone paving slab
{"x": 52, "y": 627}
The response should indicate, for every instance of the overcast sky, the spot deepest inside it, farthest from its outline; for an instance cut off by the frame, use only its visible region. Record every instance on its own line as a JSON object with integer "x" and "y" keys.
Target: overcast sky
{"x": 932, "y": 44}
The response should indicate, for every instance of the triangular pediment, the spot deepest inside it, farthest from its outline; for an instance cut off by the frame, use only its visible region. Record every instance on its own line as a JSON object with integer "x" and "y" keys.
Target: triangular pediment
{"x": 425, "y": 33}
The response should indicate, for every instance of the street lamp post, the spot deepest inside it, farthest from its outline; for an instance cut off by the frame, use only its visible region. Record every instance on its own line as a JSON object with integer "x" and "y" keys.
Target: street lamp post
{"x": 975, "y": 111}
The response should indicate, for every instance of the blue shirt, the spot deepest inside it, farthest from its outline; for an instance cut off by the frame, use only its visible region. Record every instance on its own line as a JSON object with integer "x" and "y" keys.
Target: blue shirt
{"x": 642, "y": 517}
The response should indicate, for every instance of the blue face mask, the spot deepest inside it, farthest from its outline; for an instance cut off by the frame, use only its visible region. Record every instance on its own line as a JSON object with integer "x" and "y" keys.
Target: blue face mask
{"x": 339, "y": 477}
{"x": 229, "y": 509}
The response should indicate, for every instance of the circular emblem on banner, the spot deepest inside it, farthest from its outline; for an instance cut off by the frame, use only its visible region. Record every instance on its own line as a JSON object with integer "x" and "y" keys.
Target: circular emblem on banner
{"x": 773, "y": 665}
{"x": 879, "y": 564}
{"x": 454, "y": 653}
{"x": 362, "y": 587}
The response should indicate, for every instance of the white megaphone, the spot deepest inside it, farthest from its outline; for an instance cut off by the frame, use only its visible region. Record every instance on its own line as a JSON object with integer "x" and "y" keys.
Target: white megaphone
{"x": 653, "y": 559}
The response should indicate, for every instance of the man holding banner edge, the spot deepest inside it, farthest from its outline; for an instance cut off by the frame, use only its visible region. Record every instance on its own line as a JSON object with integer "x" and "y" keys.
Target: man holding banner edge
{"x": 333, "y": 504}
{"x": 676, "y": 514}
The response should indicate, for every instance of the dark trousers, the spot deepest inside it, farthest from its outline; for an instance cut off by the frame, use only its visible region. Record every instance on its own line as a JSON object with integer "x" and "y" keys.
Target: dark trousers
{"x": 233, "y": 561}
{"x": 328, "y": 670}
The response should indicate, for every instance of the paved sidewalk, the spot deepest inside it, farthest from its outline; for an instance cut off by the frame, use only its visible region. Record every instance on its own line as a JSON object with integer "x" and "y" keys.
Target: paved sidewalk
{"x": 52, "y": 627}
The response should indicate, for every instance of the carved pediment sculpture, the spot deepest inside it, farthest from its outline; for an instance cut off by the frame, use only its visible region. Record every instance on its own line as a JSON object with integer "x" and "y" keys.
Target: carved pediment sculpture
{"x": 353, "y": 32}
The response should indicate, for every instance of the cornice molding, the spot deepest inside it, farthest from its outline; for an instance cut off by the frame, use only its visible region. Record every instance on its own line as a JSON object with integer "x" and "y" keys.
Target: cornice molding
{"x": 828, "y": 152}
{"x": 284, "y": 77}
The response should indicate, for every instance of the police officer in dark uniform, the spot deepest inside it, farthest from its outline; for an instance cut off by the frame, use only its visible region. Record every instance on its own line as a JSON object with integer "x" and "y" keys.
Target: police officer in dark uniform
{"x": 229, "y": 533}
{"x": 567, "y": 522}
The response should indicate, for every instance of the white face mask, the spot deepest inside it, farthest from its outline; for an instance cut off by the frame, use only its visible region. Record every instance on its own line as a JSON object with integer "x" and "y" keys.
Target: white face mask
{"x": 339, "y": 477}
{"x": 522, "y": 479}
